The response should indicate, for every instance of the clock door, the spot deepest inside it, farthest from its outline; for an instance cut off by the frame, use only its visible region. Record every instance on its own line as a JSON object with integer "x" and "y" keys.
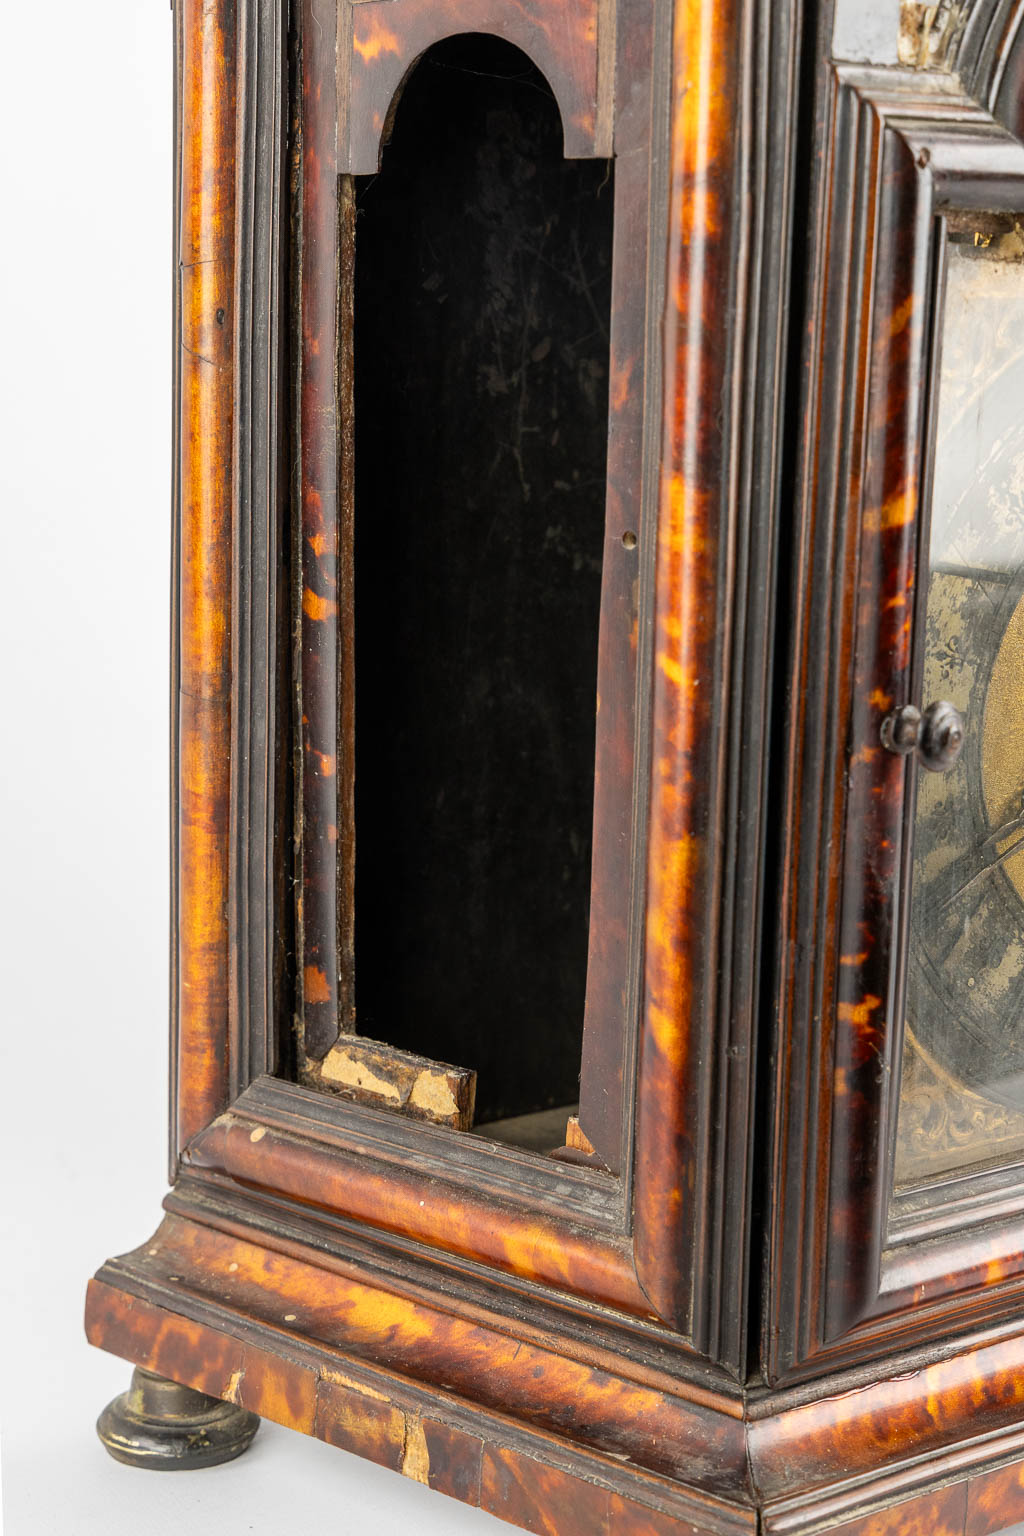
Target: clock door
{"x": 899, "y": 1066}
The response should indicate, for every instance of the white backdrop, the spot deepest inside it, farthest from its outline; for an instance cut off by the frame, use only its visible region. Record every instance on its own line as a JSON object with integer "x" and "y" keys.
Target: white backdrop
{"x": 84, "y": 475}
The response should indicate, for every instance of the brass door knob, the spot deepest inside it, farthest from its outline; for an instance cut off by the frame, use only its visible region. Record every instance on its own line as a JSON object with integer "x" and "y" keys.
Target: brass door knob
{"x": 937, "y": 736}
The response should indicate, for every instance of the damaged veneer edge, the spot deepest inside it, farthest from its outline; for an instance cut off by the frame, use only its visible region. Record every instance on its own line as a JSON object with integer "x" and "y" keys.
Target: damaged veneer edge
{"x": 370, "y": 1072}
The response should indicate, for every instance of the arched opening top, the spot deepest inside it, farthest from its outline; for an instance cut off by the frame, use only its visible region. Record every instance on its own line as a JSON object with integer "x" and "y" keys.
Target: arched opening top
{"x": 390, "y": 42}
{"x": 486, "y": 57}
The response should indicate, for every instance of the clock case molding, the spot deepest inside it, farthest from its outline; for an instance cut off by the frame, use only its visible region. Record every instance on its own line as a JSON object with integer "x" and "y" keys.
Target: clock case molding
{"x": 735, "y": 1332}
{"x": 865, "y": 1271}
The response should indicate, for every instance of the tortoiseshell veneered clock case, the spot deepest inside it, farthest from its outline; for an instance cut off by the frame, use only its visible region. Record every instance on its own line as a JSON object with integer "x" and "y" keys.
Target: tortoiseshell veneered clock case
{"x": 598, "y": 892}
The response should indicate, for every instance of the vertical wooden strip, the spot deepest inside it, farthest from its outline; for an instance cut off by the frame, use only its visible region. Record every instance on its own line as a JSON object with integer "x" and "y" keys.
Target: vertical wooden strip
{"x": 604, "y": 117}
{"x": 346, "y": 845}
{"x": 343, "y": 66}
{"x": 896, "y": 268}
{"x": 689, "y": 670}
{"x": 318, "y": 618}
{"x": 257, "y": 790}
{"x": 611, "y": 1002}
{"x": 206, "y": 256}
{"x": 173, "y": 978}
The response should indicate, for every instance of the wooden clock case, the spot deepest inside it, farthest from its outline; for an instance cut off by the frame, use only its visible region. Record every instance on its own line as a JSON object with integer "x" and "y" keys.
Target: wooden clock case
{"x": 710, "y": 1314}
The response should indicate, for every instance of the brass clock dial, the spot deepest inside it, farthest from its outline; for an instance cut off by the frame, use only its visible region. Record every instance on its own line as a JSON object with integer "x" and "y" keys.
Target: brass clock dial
{"x": 966, "y": 985}
{"x": 965, "y": 974}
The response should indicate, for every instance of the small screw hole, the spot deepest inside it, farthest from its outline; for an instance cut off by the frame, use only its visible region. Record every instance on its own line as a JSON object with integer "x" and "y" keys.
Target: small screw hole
{"x": 629, "y": 539}
{"x": 220, "y": 317}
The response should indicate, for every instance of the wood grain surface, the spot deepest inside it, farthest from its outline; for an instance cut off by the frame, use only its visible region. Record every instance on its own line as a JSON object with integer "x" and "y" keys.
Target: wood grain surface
{"x": 206, "y": 268}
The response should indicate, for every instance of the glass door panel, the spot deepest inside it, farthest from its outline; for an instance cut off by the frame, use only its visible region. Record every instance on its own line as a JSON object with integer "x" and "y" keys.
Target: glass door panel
{"x": 962, "y": 1086}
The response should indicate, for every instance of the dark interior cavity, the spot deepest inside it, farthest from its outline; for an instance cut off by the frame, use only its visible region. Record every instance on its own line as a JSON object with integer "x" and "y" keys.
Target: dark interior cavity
{"x": 483, "y": 279}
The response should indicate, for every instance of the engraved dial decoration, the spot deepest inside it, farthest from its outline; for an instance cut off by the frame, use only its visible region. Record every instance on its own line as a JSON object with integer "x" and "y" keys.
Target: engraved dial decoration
{"x": 962, "y": 1094}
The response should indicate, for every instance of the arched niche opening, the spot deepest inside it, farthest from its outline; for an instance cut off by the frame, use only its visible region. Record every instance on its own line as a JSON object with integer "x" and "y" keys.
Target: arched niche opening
{"x": 481, "y": 362}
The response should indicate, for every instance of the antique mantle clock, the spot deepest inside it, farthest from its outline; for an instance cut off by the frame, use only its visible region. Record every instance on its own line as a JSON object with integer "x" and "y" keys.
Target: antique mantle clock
{"x": 598, "y": 956}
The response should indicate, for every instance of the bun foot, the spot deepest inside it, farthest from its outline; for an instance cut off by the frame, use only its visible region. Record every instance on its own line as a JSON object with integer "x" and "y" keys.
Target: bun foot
{"x": 158, "y": 1424}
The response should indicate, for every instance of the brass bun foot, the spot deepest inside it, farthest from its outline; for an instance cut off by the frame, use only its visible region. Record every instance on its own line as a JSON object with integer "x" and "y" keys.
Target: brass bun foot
{"x": 158, "y": 1424}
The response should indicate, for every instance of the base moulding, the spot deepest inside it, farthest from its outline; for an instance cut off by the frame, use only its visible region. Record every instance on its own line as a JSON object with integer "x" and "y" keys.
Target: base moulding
{"x": 533, "y": 1431}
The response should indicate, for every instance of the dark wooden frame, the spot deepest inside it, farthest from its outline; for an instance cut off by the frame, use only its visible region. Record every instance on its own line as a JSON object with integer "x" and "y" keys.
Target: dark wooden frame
{"x": 343, "y": 135}
{"x": 567, "y": 1349}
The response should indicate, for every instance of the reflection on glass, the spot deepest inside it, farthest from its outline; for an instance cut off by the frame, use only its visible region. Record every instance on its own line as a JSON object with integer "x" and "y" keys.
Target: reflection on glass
{"x": 962, "y": 1089}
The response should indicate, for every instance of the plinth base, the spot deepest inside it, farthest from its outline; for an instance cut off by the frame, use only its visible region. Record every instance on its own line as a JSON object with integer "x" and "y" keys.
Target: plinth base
{"x": 577, "y": 1432}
